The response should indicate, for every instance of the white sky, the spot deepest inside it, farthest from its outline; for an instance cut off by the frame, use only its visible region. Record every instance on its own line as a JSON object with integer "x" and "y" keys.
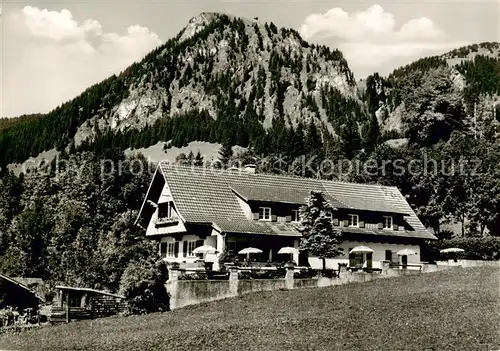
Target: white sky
{"x": 52, "y": 51}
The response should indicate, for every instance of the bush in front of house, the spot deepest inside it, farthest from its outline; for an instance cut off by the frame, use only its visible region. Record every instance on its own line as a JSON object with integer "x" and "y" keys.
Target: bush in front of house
{"x": 314, "y": 273}
{"x": 193, "y": 276}
{"x": 485, "y": 248}
{"x": 262, "y": 274}
{"x": 143, "y": 284}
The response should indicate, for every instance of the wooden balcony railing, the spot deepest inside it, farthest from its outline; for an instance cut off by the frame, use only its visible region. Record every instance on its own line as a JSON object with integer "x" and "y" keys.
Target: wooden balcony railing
{"x": 166, "y": 221}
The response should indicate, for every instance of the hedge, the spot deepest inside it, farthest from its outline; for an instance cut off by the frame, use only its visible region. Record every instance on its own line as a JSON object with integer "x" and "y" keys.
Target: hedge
{"x": 485, "y": 248}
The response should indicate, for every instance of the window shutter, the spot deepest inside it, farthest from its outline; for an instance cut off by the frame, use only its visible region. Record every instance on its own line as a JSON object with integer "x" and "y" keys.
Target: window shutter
{"x": 335, "y": 221}
{"x": 176, "y": 249}
{"x": 256, "y": 215}
{"x": 273, "y": 218}
{"x": 395, "y": 227}
{"x": 184, "y": 248}
{"x": 199, "y": 243}
{"x": 163, "y": 249}
{"x": 361, "y": 224}
{"x": 346, "y": 223}
{"x": 381, "y": 226}
{"x": 288, "y": 218}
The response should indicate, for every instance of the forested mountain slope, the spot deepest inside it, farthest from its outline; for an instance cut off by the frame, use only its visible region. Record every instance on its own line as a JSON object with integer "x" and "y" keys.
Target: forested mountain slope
{"x": 466, "y": 78}
{"x": 221, "y": 79}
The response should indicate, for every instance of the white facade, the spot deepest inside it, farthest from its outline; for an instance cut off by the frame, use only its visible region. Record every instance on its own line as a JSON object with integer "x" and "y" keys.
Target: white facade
{"x": 379, "y": 254}
{"x": 217, "y": 240}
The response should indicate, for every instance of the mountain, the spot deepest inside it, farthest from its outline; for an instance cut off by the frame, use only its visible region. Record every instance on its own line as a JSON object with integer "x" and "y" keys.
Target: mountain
{"x": 234, "y": 81}
{"x": 467, "y": 78}
{"x": 221, "y": 79}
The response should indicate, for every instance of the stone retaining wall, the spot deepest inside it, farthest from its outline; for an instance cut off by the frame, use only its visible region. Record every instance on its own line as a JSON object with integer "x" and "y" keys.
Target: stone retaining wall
{"x": 191, "y": 292}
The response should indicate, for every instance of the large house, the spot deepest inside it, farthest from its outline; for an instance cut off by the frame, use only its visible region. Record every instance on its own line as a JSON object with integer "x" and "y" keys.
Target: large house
{"x": 186, "y": 207}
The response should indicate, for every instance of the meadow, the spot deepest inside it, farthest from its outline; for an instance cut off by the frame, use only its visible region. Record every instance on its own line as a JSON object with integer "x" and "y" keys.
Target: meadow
{"x": 448, "y": 310}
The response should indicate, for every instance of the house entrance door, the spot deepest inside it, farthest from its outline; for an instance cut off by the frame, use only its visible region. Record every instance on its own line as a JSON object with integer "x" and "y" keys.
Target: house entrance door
{"x": 369, "y": 260}
{"x": 404, "y": 261}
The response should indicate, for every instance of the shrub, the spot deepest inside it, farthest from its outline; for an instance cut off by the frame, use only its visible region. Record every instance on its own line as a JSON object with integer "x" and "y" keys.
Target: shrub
{"x": 143, "y": 284}
{"x": 305, "y": 274}
{"x": 486, "y": 248}
{"x": 311, "y": 273}
{"x": 245, "y": 275}
{"x": 277, "y": 274}
{"x": 193, "y": 276}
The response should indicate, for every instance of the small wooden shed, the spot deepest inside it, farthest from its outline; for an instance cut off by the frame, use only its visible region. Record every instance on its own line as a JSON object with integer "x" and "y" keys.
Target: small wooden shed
{"x": 16, "y": 294}
{"x": 85, "y": 303}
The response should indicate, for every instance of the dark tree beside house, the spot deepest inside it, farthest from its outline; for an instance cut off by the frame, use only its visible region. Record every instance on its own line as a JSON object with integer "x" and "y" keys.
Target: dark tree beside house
{"x": 319, "y": 237}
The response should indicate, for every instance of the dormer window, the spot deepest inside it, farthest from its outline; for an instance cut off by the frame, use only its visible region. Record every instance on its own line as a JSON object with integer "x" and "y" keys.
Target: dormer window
{"x": 353, "y": 220}
{"x": 166, "y": 215}
{"x": 165, "y": 210}
{"x": 295, "y": 216}
{"x": 265, "y": 213}
{"x": 388, "y": 222}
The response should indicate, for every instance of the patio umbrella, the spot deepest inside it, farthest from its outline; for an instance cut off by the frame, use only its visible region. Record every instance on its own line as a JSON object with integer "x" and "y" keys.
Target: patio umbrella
{"x": 406, "y": 252}
{"x": 361, "y": 249}
{"x": 205, "y": 249}
{"x": 248, "y": 251}
{"x": 288, "y": 250}
{"x": 452, "y": 249}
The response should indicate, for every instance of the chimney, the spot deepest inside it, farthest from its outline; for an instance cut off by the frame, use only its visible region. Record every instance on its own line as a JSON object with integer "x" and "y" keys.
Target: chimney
{"x": 250, "y": 168}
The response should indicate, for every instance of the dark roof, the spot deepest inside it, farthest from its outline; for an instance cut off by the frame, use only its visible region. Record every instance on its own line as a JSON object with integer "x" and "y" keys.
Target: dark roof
{"x": 204, "y": 195}
{"x": 70, "y": 288}
{"x": 22, "y": 286}
{"x": 257, "y": 227}
{"x": 280, "y": 194}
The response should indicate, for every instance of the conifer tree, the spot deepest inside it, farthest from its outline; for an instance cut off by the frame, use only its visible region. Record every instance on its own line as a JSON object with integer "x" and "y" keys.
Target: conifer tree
{"x": 319, "y": 237}
{"x": 225, "y": 154}
{"x": 198, "y": 160}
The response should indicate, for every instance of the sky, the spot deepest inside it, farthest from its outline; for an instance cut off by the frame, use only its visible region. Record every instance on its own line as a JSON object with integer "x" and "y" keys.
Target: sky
{"x": 52, "y": 51}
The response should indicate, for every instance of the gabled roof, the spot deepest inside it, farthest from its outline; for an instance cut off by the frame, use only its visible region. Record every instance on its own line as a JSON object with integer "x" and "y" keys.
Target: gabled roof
{"x": 290, "y": 195}
{"x": 257, "y": 227}
{"x": 22, "y": 286}
{"x": 88, "y": 290}
{"x": 210, "y": 196}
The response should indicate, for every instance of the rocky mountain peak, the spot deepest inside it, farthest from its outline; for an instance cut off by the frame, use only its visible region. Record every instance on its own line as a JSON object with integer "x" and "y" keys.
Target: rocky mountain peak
{"x": 221, "y": 64}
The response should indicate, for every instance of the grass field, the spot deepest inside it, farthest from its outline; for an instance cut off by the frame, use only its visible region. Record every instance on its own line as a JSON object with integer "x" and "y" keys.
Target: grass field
{"x": 454, "y": 310}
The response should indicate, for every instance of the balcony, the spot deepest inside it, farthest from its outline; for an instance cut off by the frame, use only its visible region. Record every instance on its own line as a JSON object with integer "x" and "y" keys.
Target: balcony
{"x": 166, "y": 221}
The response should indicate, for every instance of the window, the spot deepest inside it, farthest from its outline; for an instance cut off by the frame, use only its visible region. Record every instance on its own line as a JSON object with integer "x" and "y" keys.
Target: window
{"x": 329, "y": 215}
{"x": 265, "y": 213}
{"x": 295, "y": 216}
{"x": 190, "y": 246}
{"x": 388, "y": 255}
{"x": 387, "y": 222}
{"x": 353, "y": 220}
{"x": 165, "y": 210}
{"x": 171, "y": 252}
